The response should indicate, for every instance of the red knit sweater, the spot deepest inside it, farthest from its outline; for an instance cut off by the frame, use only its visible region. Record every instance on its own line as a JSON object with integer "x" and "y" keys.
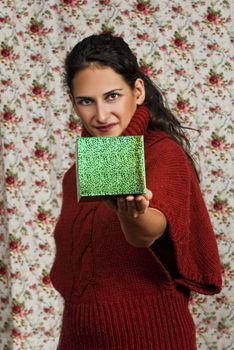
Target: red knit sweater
{"x": 125, "y": 298}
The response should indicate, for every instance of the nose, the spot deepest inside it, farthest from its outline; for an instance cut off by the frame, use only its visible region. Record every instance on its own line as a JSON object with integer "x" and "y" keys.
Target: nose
{"x": 101, "y": 114}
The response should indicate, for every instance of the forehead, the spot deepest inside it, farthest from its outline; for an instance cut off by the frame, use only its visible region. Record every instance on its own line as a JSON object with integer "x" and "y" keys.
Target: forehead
{"x": 95, "y": 80}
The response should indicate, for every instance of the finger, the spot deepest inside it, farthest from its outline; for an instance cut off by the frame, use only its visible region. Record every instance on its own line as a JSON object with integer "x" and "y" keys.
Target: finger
{"x": 149, "y": 195}
{"x": 130, "y": 198}
{"x": 132, "y": 206}
{"x": 141, "y": 204}
{"x": 121, "y": 204}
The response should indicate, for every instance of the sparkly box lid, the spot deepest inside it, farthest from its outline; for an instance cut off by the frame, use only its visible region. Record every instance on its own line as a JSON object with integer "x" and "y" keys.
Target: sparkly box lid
{"x": 110, "y": 166}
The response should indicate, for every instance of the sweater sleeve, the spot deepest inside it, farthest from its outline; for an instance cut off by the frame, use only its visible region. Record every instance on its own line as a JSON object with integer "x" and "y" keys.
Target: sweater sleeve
{"x": 176, "y": 193}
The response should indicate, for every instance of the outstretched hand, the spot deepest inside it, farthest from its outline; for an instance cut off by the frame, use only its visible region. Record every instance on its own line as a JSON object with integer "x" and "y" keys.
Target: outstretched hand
{"x": 131, "y": 206}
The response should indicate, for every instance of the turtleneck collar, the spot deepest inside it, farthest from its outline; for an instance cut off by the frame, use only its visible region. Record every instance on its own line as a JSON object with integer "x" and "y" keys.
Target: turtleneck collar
{"x": 137, "y": 126}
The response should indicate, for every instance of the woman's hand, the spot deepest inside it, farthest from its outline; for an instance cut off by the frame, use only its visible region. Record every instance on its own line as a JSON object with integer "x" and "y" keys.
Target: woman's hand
{"x": 131, "y": 206}
{"x": 141, "y": 224}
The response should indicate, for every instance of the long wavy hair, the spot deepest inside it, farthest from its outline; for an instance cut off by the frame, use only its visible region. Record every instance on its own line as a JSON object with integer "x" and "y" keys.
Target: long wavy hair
{"x": 106, "y": 50}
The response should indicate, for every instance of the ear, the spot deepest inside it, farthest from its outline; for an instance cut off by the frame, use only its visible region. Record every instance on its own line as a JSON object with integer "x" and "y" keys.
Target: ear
{"x": 139, "y": 90}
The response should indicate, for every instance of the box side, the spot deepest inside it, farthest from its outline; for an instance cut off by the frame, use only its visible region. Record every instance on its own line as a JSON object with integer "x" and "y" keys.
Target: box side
{"x": 124, "y": 161}
{"x": 140, "y": 162}
{"x": 77, "y": 171}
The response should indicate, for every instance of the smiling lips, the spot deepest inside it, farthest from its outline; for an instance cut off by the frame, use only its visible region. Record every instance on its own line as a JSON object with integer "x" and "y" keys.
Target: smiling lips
{"x": 105, "y": 128}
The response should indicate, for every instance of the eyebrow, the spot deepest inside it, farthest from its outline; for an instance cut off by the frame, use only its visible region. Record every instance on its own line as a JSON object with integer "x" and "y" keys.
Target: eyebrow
{"x": 105, "y": 94}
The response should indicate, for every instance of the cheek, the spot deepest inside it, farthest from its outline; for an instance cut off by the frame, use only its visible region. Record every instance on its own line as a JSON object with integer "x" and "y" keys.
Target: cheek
{"x": 84, "y": 114}
{"x": 129, "y": 109}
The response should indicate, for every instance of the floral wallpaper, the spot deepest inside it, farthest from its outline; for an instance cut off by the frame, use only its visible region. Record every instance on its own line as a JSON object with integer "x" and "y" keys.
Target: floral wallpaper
{"x": 186, "y": 47}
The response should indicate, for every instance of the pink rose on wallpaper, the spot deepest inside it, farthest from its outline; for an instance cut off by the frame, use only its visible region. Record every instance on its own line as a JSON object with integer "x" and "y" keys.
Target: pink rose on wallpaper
{"x": 217, "y": 173}
{"x": 220, "y": 205}
{"x": 218, "y": 142}
{"x": 182, "y": 104}
{"x": 44, "y": 246}
{"x": 11, "y": 179}
{"x": 16, "y": 275}
{"x": 12, "y": 211}
{"x": 3, "y": 269}
{"x": 193, "y": 300}
{"x": 17, "y": 334}
{"x": 213, "y": 16}
{"x": 73, "y": 125}
{"x": 143, "y": 36}
{"x": 9, "y": 146}
{"x": 38, "y": 91}
{"x": 145, "y": 8}
{"x": 5, "y": 300}
{"x": 36, "y": 27}
{"x": 213, "y": 46}
{"x": 215, "y": 109}
{"x": 41, "y": 183}
{"x": 104, "y": 2}
{"x": 142, "y": 7}
{"x": 18, "y": 310}
{"x": 215, "y": 80}
{"x": 180, "y": 42}
{"x": 72, "y": 3}
{"x": 40, "y": 152}
{"x": 39, "y": 120}
{"x": 146, "y": 70}
{"x": 180, "y": 71}
{"x": 9, "y": 117}
{"x": 227, "y": 271}
{"x": 6, "y": 53}
{"x": 69, "y": 29}
{"x": 49, "y": 310}
{"x": 6, "y": 82}
{"x": 177, "y": 9}
{"x": 44, "y": 216}
{"x": 36, "y": 58}
{"x": 8, "y": 114}
{"x": 14, "y": 245}
{"x": 45, "y": 279}
{"x": 5, "y": 19}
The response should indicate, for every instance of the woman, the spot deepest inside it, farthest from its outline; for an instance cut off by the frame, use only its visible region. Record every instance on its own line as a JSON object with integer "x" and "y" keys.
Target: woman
{"x": 126, "y": 269}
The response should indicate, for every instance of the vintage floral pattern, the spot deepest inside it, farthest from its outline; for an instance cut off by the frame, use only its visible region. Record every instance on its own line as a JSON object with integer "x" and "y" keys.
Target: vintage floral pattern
{"x": 186, "y": 47}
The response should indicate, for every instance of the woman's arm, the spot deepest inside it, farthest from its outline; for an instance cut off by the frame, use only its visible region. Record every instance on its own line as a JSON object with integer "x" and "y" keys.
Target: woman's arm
{"x": 141, "y": 225}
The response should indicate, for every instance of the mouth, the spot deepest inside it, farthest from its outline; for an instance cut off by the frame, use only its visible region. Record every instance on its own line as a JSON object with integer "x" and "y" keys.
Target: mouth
{"x": 105, "y": 128}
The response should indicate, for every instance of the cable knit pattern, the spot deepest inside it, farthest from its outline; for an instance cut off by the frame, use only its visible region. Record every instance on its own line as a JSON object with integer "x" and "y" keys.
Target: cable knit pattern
{"x": 121, "y": 297}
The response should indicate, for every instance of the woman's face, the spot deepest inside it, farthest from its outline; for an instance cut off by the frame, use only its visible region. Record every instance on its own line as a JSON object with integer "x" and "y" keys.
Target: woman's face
{"x": 104, "y": 101}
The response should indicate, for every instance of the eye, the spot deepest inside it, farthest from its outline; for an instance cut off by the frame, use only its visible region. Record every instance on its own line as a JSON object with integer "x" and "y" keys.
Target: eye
{"x": 112, "y": 96}
{"x": 84, "y": 101}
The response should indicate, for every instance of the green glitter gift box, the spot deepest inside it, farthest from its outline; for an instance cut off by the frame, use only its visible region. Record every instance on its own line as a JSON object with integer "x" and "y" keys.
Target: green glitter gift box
{"x": 110, "y": 166}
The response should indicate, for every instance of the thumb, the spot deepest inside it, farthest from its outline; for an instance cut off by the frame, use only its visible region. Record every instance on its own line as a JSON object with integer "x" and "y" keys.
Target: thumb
{"x": 148, "y": 195}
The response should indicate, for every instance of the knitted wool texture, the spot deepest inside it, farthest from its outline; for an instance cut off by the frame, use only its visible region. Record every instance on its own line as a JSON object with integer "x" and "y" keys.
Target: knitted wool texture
{"x": 121, "y": 297}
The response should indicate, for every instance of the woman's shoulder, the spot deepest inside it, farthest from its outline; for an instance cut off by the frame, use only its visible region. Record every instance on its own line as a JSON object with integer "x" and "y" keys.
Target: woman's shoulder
{"x": 70, "y": 173}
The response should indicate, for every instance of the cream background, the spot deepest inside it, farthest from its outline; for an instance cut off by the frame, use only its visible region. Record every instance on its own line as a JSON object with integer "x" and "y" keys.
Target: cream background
{"x": 186, "y": 47}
